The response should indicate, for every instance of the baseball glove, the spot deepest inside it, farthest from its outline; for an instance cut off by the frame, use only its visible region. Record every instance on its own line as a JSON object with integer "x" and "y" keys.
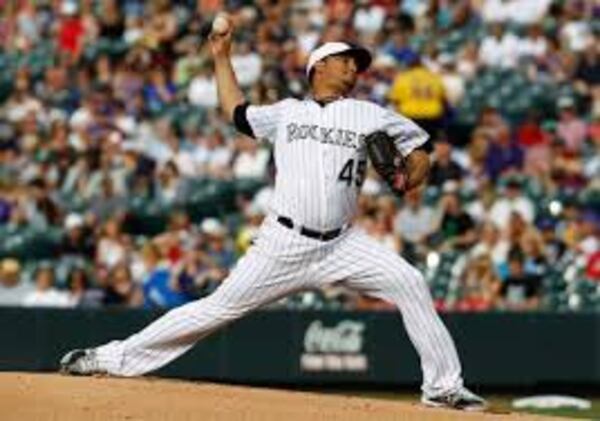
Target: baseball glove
{"x": 387, "y": 161}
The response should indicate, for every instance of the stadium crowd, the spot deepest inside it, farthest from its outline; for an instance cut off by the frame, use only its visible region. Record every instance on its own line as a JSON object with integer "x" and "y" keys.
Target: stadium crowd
{"x": 114, "y": 155}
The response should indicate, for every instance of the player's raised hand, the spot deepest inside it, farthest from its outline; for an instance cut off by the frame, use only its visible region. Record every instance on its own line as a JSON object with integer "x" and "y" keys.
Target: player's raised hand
{"x": 220, "y": 35}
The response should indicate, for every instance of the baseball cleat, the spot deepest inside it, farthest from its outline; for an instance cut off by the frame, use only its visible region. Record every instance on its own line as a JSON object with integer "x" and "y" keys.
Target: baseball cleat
{"x": 80, "y": 362}
{"x": 462, "y": 399}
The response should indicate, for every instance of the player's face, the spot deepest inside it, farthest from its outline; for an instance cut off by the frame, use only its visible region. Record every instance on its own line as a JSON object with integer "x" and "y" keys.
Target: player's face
{"x": 342, "y": 68}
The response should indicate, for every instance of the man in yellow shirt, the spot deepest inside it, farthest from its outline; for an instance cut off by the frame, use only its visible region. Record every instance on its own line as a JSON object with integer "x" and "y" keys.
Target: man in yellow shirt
{"x": 418, "y": 93}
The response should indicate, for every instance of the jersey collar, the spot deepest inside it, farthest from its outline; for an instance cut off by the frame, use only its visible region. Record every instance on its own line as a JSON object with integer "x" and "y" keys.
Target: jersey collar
{"x": 322, "y": 103}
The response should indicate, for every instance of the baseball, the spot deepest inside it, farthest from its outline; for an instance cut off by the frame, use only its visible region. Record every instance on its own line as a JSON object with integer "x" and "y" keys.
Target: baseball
{"x": 220, "y": 25}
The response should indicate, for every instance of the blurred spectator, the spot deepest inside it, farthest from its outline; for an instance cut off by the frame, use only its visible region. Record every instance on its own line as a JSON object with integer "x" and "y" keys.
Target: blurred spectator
{"x": 500, "y": 48}
{"x": 218, "y": 246}
{"x": 159, "y": 92}
{"x": 467, "y": 61}
{"x": 71, "y": 30}
{"x": 455, "y": 225}
{"x": 566, "y": 168}
{"x": 479, "y": 286}
{"x": 414, "y": 221}
{"x": 399, "y": 48}
{"x": 513, "y": 201}
{"x": 589, "y": 233}
{"x": 13, "y": 288}
{"x": 46, "y": 294}
{"x": 575, "y": 31}
{"x": 554, "y": 247}
{"x": 119, "y": 289}
{"x": 21, "y": 102}
{"x": 160, "y": 30}
{"x": 247, "y": 64}
{"x": 491, "y": 243}
{"x": 378, "y": 228}
{"x": 520, "y": 291}
{"x": 253, "y": 217}
{"x": 81, "y": 293}
{"x": 535, "y": 143}
{"x": 443, "y": 168}
{"x": 476, "y": 177}
{"x": 111, "y": 21}
{"x": 517, "y": 11}
{"x": 196, "y": 275}
{"x": 535, "y": 260}
{"x": 571, "y": 129}
{"x": 454, "y": 82}
{"x": 169, "y": 184}
{"x": 77, "y": 240}
{"x": 203, "y": 88}
{"x": 111, "y": 249}
{"x": 160, "y": 289}
{"x": 217, "y": 161}
{"x": 503, "y": 155}
{"x": 587, "y": 74}
{"x": 535, "y": 44}
{"x": 251, "y": 160}
{"x": 368, "y": 18}
{"x": 418, "y": 94}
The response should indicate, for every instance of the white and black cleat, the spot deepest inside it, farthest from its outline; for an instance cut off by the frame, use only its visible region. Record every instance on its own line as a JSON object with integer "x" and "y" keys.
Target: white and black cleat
{"x": 80, "y": 362}
{"x": 462, "y": 399}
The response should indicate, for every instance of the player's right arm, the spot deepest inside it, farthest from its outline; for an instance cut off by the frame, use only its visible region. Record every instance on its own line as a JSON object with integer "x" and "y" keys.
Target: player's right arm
{"x": 230, "y": 94}
{"x": 256, "y": 121}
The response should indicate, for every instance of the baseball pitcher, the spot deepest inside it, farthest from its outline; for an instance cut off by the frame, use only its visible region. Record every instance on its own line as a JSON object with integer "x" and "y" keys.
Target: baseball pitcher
{"x": 321, "y": 144}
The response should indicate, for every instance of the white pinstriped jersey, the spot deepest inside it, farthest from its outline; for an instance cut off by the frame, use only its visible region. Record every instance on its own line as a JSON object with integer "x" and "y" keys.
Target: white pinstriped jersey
{"x": 321, "y": 162}
{"x": 320, "y": 154}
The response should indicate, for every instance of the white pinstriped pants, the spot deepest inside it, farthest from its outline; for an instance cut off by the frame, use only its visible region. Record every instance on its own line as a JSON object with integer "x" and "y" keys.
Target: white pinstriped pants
{"x": 282, "y": 262}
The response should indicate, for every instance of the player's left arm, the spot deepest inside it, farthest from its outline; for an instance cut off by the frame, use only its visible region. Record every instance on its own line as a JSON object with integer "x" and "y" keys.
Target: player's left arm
{"x": 417, "y": 168}
{"x": 410, "y": 151}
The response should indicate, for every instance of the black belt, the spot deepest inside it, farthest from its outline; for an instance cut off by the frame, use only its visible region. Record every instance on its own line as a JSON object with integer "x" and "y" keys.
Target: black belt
{"x": 307, "y": 232}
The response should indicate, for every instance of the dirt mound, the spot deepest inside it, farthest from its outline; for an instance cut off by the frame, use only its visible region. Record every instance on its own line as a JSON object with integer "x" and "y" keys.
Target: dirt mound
{"x": 25, "y": 396}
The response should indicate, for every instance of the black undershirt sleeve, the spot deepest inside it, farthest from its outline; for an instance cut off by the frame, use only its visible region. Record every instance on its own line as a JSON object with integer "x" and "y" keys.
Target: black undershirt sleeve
{"x": 241, "y": 121}
{"x": 427, "y": 147}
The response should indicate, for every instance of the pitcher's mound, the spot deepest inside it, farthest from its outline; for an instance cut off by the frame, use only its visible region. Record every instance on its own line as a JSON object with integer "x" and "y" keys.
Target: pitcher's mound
{"x": 25, "y": 396}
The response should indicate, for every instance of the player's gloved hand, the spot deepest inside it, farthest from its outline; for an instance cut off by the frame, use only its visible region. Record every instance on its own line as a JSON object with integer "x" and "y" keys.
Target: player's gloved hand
{"x": 387, "y": 161}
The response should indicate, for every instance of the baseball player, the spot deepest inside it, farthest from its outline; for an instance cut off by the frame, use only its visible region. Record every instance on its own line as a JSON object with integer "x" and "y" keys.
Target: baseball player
{"x": 321, "y": 144}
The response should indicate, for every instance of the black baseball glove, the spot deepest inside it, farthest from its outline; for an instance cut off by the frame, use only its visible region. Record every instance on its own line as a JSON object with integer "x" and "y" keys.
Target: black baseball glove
{"x": 387, "y": 161}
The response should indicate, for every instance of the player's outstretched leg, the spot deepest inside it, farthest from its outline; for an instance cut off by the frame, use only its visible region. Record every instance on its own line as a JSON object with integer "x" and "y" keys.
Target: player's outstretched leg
{"x": 373, "y": 269}
{"x": 256, "y": 280}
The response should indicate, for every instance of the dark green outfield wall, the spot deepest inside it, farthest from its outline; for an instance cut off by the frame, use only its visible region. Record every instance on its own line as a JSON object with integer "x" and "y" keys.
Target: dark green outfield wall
{"x": 327, "y": 347}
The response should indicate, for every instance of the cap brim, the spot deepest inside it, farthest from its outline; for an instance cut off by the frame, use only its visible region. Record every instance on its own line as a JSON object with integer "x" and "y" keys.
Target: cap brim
{"x": 361, "y": 55}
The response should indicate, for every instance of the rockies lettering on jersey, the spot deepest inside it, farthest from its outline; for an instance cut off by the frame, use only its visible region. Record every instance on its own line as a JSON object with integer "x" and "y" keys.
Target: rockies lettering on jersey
{"x": 320, "y": 154}
{"x": 331, "y": 135}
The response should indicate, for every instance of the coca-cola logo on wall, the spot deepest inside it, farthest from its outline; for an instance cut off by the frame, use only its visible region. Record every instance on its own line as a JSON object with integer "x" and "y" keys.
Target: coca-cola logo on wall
{"x": 334, "y": 348}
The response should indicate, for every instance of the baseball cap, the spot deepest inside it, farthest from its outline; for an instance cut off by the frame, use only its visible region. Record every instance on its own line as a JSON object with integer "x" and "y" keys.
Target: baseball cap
{"x": 360, "y": 54}
{"x": 73, "y": 220}
{"x": 565, "y": 102}
{"x": 212, "y": 226}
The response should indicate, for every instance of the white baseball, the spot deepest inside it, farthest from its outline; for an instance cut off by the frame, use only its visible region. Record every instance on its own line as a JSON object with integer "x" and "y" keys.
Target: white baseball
{"x": 220, "y": 25}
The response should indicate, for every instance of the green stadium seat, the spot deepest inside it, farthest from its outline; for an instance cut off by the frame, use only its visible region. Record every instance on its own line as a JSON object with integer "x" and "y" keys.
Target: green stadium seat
{"x": 6, "y": 86}
{"x": 146, "y": 217}
{"x": 248, "y": 186}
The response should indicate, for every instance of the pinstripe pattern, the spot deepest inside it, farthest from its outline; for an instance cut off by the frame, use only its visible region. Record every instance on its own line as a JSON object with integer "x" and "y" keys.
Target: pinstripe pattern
{"x": 361, "y": 263}
{"x": 313, "y": 144}
{"x": 309, "y": 164}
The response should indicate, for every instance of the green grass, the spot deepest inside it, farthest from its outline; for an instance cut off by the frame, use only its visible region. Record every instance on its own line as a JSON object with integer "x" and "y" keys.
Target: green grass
{"x": 499, "y": 403}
